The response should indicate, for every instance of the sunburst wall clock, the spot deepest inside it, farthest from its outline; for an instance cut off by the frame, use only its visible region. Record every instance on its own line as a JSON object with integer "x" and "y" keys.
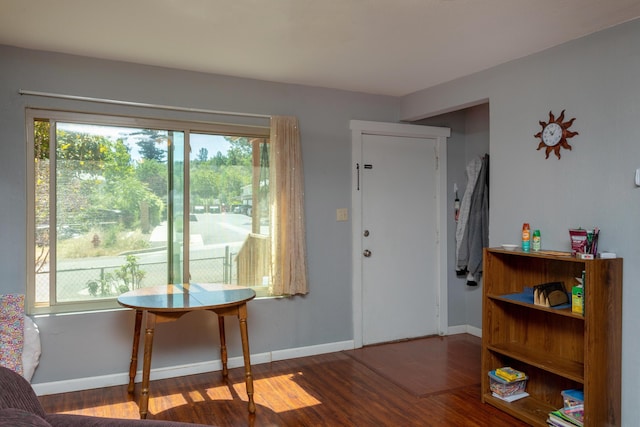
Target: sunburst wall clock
{"x": 554, "y": 134}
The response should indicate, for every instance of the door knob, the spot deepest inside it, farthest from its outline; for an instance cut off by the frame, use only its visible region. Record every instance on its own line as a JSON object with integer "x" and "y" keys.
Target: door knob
{"x": 367, "y": 253}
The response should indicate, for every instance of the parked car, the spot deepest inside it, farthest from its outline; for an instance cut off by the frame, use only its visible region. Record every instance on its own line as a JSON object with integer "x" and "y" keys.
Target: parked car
{"x": 242, "y": 209}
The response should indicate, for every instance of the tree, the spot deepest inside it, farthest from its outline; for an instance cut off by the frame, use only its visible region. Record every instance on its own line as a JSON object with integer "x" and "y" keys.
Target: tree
{"x": 219, "y": 159}
{"x": 155, "y": 175}
{"x": 41, "y": 154}
{"x": 126, "y": 195}
{"x": 205, "y": 183}
{"x": 240, "y": 151}
{"x": 150, "y": 140}
{"x": 203, "y": 155}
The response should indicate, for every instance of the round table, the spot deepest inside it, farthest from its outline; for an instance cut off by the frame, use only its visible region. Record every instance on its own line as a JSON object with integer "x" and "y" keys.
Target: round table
{"x": 168, "y": 303}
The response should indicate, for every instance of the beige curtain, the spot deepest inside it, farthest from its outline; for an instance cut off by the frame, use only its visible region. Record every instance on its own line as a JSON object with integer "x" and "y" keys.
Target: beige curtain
{"x": 288, "y": 247}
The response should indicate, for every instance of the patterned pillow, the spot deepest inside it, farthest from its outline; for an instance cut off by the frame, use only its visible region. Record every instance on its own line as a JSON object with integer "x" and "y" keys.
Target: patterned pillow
{"x": 11, "y": 331}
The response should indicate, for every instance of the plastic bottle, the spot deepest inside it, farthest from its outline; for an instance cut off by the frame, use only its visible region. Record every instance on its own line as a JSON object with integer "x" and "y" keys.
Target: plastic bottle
{"x": 526, "y": 237}
{"x": 536, "y": 243}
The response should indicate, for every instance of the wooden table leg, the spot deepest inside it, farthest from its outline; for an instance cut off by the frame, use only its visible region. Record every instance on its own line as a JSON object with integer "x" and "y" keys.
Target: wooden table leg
{"x": 133, "y": 366}
{"x": 242, "y": 316}
{"x": 146, "y": 364}
{"x": 223, "y": 346}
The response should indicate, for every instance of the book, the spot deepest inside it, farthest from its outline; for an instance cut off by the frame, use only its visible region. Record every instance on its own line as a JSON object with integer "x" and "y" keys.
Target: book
{"x": 511, "y": 398}
{"x": 510, "y": 374}
{"x": 562, "y": 420}
{"x": 558, "y": 422}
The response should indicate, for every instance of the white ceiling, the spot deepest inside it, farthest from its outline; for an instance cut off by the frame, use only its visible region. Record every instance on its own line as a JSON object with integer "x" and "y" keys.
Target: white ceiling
{"x": 389, "y": 47}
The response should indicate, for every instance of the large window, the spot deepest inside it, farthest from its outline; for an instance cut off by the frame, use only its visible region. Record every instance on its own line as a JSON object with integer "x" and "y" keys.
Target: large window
{"x": 121, "y": 203}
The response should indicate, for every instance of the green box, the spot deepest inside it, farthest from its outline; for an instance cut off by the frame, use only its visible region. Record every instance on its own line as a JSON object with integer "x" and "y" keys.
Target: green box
{"x": 577, "y": 299}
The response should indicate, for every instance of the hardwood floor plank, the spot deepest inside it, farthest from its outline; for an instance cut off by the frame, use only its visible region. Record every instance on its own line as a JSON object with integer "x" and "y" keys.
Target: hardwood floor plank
{"x": 332, "y": 389}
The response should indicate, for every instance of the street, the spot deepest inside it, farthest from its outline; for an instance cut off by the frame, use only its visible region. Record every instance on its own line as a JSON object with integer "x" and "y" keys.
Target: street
{"x": 213, "y": 235}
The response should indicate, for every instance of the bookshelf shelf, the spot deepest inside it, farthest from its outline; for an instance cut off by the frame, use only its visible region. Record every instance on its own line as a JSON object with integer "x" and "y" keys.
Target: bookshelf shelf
{"x": 549, "y": 362}
{"x": 560, "y": 312}
{"x": 556, "y": 348}
{"x": 529, "y": 409}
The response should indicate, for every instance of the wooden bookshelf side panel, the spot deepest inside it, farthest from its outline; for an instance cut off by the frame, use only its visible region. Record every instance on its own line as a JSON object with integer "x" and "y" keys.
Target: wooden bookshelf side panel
{"x": 603, "y": 342}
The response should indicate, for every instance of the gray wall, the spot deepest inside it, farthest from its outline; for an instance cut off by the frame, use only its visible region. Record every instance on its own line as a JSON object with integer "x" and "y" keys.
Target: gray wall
{"x": 596, "y": 79}
{"x": 89, "y": 345}
{"x": 469, "y": 139}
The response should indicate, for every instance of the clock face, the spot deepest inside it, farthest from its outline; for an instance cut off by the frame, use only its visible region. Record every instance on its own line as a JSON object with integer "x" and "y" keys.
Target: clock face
{"x": 552, "y": 134}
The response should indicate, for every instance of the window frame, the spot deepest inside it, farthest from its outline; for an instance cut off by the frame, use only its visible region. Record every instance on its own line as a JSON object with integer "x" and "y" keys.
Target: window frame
{"x": 54, "y": 115}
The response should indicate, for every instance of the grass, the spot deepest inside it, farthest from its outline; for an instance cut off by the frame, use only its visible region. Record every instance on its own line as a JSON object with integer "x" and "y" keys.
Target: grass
{"x": 109, "y": 243}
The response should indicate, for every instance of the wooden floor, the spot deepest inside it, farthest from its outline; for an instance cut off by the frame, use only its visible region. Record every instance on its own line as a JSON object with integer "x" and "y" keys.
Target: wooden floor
{"x": 336, "y": 389}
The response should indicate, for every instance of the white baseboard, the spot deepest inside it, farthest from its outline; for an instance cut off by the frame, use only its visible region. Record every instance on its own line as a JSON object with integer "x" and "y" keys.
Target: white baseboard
{"x": 464, "y": 329}
{"x": 312, "y": 350}
{"x": 87, "y": 383}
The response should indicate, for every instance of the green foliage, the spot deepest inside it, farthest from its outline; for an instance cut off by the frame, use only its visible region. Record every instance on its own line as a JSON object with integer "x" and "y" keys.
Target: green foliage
{"x": 110, "y": 239}
{"x": 41, "y": 138}
{"x": 219, "y": 159}
{"x": 130, "y": 274}
{"x": 203, "y": 155}
{"x": 205, "y": 182}
{"x": 239, "y": 153}
{"x": 127, "y": 278}
{"x": 83, "y": 153}
{"x": 118, "y": 163}
{"x": 125, "y": 195}
{"x": 154, "y": 175}
{"x": 113, "y": 241}
{"x": 222, "y": 177}
{"x": 150, "y": 140}
{"x": 100, "y": 190}
{"x": 102, "y": 287}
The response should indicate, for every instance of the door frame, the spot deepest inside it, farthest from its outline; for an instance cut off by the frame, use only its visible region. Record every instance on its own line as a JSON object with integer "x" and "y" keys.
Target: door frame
{"x": 440, "y": 134}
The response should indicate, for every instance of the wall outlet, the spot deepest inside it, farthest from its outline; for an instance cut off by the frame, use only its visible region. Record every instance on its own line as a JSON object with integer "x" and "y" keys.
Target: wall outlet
{"x": 342, "y": 214}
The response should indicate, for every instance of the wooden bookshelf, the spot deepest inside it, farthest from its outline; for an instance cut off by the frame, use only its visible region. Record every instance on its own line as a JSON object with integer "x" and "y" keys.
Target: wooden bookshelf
{"x": 556, "y": 348}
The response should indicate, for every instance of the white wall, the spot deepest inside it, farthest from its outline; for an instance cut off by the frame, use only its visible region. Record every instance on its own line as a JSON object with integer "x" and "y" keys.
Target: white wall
{"x": 596, "y": 79}
{"x": 469, "y": 139}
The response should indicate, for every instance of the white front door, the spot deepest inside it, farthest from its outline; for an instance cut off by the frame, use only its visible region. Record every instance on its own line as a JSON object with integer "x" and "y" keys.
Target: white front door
{"x": 396, "y": 229}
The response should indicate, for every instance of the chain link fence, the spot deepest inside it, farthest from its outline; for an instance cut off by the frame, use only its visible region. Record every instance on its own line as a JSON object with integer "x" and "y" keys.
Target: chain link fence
{"x": 90, "y": 283}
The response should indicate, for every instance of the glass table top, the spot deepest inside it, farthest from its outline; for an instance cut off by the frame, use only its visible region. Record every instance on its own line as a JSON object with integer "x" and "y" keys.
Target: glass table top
{"x": 185, "y": 297}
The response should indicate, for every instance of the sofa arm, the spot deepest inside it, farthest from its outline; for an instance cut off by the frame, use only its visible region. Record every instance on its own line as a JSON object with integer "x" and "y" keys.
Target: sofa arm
{"x": 69, "y": 420}
{"x": 16, "y": 392}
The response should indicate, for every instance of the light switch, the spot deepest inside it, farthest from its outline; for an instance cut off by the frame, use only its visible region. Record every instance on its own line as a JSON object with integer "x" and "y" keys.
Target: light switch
{"x": 342, "y": 214}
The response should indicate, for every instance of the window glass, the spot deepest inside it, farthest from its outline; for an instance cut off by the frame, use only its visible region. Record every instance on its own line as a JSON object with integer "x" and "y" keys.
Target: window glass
{"x": 228, "y": 204}
{"x": 110, "y": 213}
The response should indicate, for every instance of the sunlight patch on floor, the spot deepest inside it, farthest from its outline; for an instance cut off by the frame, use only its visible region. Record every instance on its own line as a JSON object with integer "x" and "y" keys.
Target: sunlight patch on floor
{"x": 219, "y": 393}
{"x": 113, "y": 410}
{"x": 162, "y": 403}
{"x": 294, "y": 395}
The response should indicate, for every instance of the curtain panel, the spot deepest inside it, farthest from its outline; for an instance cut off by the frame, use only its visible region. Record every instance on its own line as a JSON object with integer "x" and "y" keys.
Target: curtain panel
{"x": 288, "y": 247}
